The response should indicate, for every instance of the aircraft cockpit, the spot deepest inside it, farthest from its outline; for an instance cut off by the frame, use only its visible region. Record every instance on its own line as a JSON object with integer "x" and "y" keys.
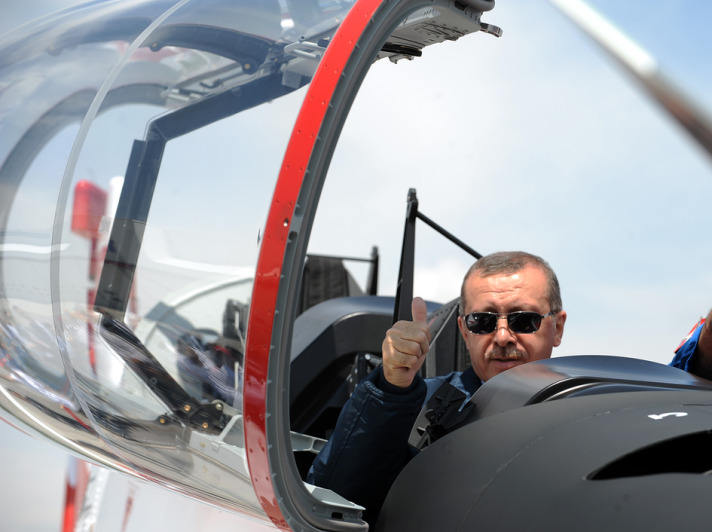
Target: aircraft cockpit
{"x": 136, "y": 180}
{"x": 186, "y": 299}
{"x": 142, "y": 151}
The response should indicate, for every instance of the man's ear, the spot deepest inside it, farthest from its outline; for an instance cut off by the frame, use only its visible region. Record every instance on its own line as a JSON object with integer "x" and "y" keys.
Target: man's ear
{"x": 560, "y": 322}
{"x": 463, "y": 328}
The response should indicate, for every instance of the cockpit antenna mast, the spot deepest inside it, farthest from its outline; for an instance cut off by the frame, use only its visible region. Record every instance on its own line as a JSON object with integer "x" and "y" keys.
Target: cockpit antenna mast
{"x": 404, "y": 289}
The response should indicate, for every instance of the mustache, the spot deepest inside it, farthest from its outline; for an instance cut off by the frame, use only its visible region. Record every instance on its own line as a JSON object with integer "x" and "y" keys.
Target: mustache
{"x": 508, "y": 352}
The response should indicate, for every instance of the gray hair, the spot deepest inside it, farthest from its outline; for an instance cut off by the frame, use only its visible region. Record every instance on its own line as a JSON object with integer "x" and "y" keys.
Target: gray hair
{"x": 508, "y": 262}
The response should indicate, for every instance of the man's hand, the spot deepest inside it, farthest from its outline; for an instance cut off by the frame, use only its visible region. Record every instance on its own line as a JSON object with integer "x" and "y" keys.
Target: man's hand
{"x": 406, "y": 345}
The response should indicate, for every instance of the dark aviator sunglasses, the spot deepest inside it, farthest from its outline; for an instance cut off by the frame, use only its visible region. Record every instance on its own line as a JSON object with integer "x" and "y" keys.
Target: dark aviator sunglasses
{"x": 521, "y": 322}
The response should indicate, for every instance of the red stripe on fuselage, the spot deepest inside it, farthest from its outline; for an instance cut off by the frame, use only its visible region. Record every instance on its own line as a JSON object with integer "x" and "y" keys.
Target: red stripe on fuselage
{"x": 269, "y": 264}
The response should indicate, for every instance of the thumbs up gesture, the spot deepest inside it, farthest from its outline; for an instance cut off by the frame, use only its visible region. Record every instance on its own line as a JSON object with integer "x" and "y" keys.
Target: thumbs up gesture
{"x": 406, "y": 345}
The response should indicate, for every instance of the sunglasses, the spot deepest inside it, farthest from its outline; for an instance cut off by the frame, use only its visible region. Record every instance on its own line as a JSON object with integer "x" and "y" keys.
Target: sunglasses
{"x": 522, "y": 322}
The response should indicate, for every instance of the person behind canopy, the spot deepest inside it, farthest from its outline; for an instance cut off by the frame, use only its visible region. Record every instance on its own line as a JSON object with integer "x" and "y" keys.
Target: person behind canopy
{"x": 511, "y": 313}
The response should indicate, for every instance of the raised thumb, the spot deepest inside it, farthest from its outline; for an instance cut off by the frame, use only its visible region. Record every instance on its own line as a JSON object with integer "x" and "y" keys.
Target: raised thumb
{"x": 419, "y": 309}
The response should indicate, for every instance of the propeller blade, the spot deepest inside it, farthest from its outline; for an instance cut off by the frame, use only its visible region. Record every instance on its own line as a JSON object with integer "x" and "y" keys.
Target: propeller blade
{"x": 691, "y": 116}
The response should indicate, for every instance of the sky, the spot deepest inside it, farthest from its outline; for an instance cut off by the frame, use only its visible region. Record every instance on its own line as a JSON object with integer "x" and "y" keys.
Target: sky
{"x": 537, "y": 141}
{"x": 533, "y": 141}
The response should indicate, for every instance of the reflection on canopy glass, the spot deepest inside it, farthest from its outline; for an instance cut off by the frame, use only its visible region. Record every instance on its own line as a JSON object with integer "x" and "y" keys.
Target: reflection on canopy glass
{"x": 135, "y": 183}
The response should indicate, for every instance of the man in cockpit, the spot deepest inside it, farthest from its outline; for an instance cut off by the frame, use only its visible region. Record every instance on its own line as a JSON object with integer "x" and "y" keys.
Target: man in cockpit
{"x": 510, "y": 313}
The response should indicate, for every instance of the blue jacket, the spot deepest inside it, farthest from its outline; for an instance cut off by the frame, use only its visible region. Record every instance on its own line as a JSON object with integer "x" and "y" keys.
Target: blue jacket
{"x": 684, "y": 354}
{"x": 369, "y": 446}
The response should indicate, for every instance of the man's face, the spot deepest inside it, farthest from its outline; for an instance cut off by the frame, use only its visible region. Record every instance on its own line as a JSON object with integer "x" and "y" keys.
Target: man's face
{"x": 525, "y": 290}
